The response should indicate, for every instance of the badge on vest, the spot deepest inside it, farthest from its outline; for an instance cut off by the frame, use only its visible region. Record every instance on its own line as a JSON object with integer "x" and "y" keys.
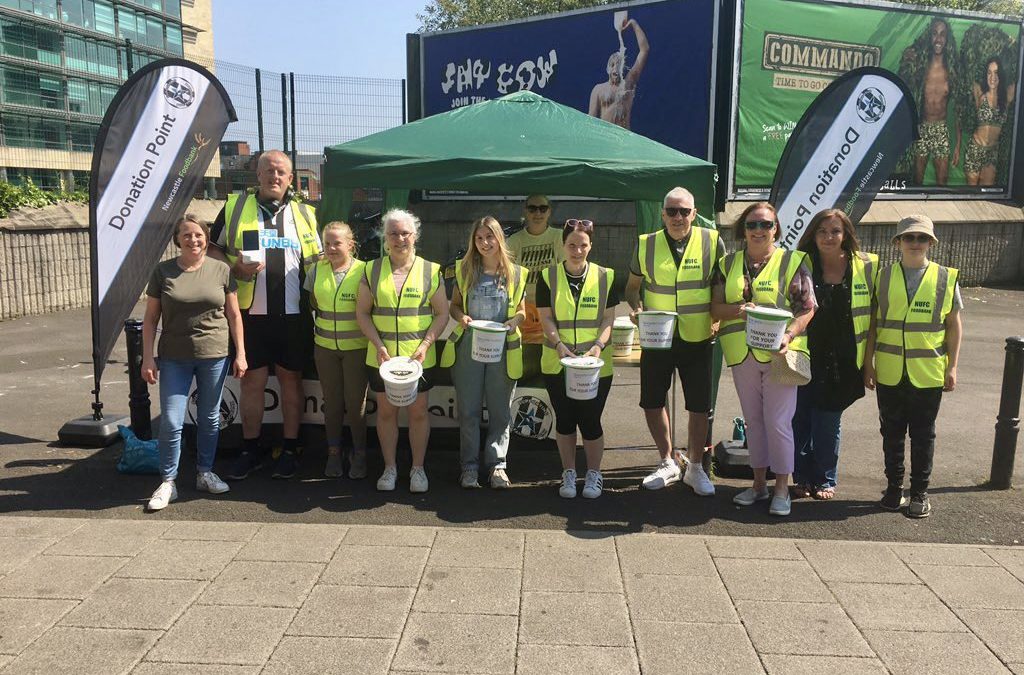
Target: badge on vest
{"x": 269, "y": 240}
{"x": 922, "y": 306}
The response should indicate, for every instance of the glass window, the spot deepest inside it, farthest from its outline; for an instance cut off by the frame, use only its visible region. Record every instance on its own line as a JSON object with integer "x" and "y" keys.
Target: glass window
{"x": 83, "y": 137}
{"x": 21, "y": 131}
{"x": 154, "y": 33}
{"x": 157, "y": 5}
{"x": 172, "y": 7}
{"x": 33, "y": 89}
{"x": 104, "y": 13}
{"x": 72, "y": 11}
{"x": 106, "y": 59}
{"x": 51, "y": 92}
{"x": 29, "y": 42}
{"x": 174, "y": 39}
{"x": 78, "y": 96}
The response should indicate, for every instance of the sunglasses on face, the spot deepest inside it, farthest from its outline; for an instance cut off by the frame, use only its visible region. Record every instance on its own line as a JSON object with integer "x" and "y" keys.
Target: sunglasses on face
{"x": 672, "y": 211}
{"x": 537, "y": 208}
{"x": 760, "y": 224}
{"x": 581, "y": 225}
{"x": 919, "y": 238}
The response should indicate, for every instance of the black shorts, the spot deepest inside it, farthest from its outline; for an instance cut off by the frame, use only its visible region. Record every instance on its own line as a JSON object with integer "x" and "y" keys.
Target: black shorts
{"x": 692, "y": 360}
{"x": 426, "y": 382}
{"x": 571, "y": 414}
{"x": 285, "y": 341}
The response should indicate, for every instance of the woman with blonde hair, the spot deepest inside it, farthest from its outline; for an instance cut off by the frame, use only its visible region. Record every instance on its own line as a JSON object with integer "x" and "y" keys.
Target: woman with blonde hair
{"x": 489, "y": 287}
{"x": 340, "y": 346}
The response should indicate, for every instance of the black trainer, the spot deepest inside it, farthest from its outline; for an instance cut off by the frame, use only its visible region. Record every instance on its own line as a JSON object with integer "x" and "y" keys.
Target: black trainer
{"x": 920, "y": 507}
{"x": 246, "y": 463}
{"x": 285, "y": 465}
{"x": 893, "y": 499}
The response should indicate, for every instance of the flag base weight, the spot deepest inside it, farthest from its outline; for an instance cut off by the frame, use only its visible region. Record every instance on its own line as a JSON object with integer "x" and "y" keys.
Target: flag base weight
{"x": 92, "y": 433}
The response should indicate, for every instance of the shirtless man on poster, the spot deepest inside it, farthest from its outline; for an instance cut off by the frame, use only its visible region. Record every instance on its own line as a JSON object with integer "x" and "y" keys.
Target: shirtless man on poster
{"x": 612, "y": 101}
{"x": 935, "y": 95}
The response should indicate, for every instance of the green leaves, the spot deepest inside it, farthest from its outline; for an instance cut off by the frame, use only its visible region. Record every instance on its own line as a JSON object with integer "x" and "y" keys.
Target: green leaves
{"x": 32, "y": 196}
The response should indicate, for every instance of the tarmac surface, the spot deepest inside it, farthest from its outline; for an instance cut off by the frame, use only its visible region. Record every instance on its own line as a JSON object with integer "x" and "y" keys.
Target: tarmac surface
{"x": 45, "y": 379}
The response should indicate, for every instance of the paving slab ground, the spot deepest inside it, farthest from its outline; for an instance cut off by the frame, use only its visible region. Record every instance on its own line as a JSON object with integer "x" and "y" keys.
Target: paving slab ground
{"x": 389, "y": 599}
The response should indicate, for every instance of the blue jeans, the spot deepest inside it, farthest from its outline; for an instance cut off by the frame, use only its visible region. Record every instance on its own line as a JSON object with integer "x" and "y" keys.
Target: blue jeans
{"x": 816, "y": 436}
{"x": 475, "y": 384}
{"x": 175, "y": 381}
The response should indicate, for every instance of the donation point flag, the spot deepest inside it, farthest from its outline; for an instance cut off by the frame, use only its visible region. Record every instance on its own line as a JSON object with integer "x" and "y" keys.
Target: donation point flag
{"x": 155, "y": 143}
{"x": 844, "y": 147}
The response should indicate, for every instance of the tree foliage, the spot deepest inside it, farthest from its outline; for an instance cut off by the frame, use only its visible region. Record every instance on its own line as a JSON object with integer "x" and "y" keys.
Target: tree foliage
{"x": 31, "y": 196}
{"x": 446, "y": 14}
{"x": 1009, "y": 7}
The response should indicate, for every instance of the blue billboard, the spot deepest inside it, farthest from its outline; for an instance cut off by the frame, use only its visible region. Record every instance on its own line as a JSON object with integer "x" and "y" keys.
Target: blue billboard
{"x": 648, "y": 67}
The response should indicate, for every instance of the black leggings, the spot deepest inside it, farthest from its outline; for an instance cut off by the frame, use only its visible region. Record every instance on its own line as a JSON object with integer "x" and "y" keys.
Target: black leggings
{"x": 570, "y": 413}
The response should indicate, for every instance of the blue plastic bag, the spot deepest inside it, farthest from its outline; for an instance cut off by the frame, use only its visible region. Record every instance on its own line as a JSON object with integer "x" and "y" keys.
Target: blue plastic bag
{"x": 139, "y": 456}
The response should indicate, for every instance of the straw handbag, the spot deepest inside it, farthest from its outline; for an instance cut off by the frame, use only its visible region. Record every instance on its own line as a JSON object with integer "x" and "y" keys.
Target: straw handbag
{"x": 790, "y": 369}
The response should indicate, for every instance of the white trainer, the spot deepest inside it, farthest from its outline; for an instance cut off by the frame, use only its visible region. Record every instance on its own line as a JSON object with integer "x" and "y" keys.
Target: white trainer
{"x": 164, "y": 495}
{"x": 208, "y": 481}
{"x": 387, "y": 480}
{"x": 418, "y": 480}
{"x": 593, "y": 484}
{"x": 750, "y": 495}
{"x": 699, "y": 480}
{"x": 667, "y": 473}
{"x": 568, "y": 487}
{"x": 469, "y": 479}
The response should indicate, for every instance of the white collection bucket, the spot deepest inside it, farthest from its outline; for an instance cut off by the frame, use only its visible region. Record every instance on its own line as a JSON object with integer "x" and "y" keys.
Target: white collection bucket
{"x": 582, "y": 376}
{"x": 401, "y": 377}
{"x": 656, "y": 329}
{"x": 622, "y": 336}
{"x": 488, "y": 340}
{"x": 766, "y": 326}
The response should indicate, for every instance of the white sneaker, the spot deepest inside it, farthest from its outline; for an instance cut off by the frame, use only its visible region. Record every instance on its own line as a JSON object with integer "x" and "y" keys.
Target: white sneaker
{"x": 387, "y": 480}
{"x": 469, "y": 479}
{"x": 164, "y": 495}
{"x": 593, "y": 485}
{"x": 208, "y": 481}
{"x": 667, "y": 473}
{"x": 568, "y": 487}
{"x": 780, "y": 505}
{"x": 750, "y": 495}
{"x": 696, "y": 478}
{"x": 418, "y": 480}
{"x": 500, "y": 480}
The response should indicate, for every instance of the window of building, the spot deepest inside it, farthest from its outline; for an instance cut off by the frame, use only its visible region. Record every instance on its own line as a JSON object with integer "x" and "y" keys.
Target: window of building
{"x": 25, "y": 41}
{"x": 47, "y": 179}
{"x": 83, "y": 138}
{"x": 47, "y": 8}
{"x": 21, "y": 131}
{"x": 155, "y": 33}
{"x": 172, "y": 7}
{"x": 33, "y": 89}
{"x": 90, "y": 56}
{"x": 104, "y": 13}
{"x": 174, "y": 39}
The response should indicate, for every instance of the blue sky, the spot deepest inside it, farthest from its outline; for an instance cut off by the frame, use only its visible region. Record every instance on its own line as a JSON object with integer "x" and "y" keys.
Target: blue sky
{"x": 358, "y": 39}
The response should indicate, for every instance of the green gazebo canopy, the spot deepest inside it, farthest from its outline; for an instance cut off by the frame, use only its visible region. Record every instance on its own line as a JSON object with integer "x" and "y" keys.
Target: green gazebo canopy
{"x": 522, "y": 143}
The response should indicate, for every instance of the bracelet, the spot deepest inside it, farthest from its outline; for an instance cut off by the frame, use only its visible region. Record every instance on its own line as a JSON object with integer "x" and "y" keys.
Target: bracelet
{"x": 599, "y": 344}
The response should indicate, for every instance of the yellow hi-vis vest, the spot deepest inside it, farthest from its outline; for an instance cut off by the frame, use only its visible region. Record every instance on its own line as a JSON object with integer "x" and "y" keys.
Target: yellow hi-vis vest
{"x": 864, "y": 278}
{"x": 514, "y": 339}
{"x": 770, "y": 288}
{"x": 402, "y": 322}
{"x": 685, "y": 289}
{"x": 334, "y": 323}
{"x": 911, "y": 336}
{"x": 241, "y": 215}
{"x": 578, "y": 323}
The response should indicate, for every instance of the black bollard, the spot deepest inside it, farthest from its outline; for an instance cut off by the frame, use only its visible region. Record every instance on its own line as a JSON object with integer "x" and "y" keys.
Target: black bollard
{"x": 138, "y": 390}
{"x": 1007, "y": 422}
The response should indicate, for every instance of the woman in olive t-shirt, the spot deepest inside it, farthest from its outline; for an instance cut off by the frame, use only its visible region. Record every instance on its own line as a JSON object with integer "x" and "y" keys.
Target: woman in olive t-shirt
{"x": 194, "y": 298}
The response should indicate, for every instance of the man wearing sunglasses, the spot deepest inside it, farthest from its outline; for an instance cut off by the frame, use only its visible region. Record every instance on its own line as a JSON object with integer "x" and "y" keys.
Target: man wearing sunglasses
{"x": 536, "y": 247}
{"x": 674, "y": 267}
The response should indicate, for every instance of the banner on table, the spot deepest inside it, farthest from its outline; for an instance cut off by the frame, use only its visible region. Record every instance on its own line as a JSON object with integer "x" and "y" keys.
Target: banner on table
{"x": 961, "y": 71}
{"x": 154, "y": 145}
{"x": 842, "y": 149}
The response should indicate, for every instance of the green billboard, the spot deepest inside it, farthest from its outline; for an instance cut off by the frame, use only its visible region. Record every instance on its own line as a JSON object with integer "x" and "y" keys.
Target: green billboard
{"x": 961, "y": 68}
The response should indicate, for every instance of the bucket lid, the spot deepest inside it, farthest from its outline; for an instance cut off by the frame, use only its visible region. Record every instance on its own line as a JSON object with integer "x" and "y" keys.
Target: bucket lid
{"x": 582, "y": 362}
{"x": 770, "y": 313}
{"x": 623, "y": 322}
{"x": 401, "y": 369}
{"x": 489, "y": 326}
{"x": 657, "y": 312}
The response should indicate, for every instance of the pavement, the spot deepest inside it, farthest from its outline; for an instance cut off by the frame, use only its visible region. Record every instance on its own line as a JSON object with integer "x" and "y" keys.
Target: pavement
{"x": 160, "y": 596}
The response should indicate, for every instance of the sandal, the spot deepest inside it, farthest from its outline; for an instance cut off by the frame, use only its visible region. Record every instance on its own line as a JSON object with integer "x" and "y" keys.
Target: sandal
{"x": 800, "y": 491}
{"x": 824, "y": 493}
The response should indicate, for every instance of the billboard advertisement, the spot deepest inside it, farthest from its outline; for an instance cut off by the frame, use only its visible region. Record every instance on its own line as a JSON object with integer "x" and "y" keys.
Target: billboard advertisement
{"x": 648, "y": 67}
{"x": 960, "y": 69}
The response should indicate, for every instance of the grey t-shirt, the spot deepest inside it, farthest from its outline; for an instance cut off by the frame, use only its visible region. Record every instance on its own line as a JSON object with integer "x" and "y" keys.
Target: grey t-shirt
{"x": 913, "y": 276}
{"x": 192, "y": 309}
{"x": 488, "y": 300}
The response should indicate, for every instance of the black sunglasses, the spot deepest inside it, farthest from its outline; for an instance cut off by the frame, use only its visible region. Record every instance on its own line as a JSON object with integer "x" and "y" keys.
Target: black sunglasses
{"x": 759, "y": 224}
{"x": 920, "y": 238}
{"x": 537, "y": 208}
{"x": 672, "y": 211}
{"x": 581, "y": 225}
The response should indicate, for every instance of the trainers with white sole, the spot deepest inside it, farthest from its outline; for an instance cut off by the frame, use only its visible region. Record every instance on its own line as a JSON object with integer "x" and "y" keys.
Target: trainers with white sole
{"x": 164, "y": 495}
{"x": 469, "y": 479}
{"x": 699, "y": 480}
{"x": 418, "y": 480}
{"x": 593, "y": 485}
{"x": 387, "y": 480}
{"x": 750, "y": 495}
{"x": 780, "y": 505}
{"x": 567, "y": 489}
{"x": 500, "y": 480}
{"x": 668, "y": 472}
{"x": 208, "y": 481}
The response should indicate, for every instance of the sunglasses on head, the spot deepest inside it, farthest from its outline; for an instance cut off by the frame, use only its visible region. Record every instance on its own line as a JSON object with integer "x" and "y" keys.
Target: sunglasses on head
{"x": 759, "y": 224}
{"x": 673, "y": 211}
{"x": 581, "y": 225}
{"x": 537, "y": 208}
{"x": 919, "y": 238}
